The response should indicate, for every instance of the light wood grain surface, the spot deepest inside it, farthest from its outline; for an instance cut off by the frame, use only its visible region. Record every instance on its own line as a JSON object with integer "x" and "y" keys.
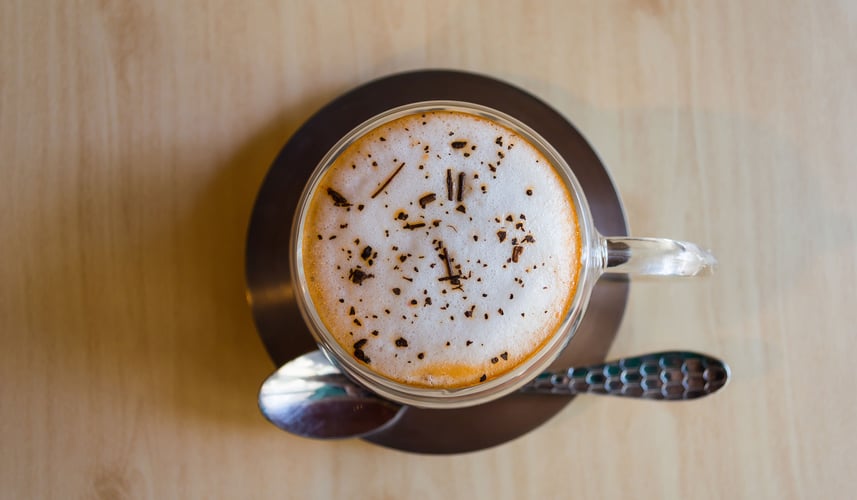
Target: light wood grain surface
{"x": 133, "y": 138}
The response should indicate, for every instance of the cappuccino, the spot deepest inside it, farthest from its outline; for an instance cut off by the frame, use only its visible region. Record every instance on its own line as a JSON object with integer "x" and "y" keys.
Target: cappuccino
{"x": 441, "y": 249}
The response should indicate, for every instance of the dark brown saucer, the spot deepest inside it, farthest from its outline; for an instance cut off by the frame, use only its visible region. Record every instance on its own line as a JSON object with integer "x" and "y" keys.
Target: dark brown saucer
{"x": 269, "y": 285}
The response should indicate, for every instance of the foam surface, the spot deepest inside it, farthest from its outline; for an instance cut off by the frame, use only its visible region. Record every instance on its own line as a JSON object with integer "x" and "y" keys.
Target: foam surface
{"x": 382, "y": 228}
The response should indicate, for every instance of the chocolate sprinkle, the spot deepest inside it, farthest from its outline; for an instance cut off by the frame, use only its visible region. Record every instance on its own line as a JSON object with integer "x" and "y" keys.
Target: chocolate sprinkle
{"x": 397, "y": 291}
{"x": 366, "y": 253}
{"x": 495, "y": 360}
{"x": 401, "y": 342}
{"x": 459, "y": 144}
{"x": 421, "y": 355}
{"x": 483, "y": 378}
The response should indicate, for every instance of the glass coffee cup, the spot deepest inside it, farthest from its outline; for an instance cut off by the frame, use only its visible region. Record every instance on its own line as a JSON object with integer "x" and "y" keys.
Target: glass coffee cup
{"x": 404, "y": 302}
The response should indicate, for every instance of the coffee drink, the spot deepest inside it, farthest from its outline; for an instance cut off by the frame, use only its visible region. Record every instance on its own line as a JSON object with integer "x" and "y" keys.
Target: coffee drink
{"x": 441, "y": 249}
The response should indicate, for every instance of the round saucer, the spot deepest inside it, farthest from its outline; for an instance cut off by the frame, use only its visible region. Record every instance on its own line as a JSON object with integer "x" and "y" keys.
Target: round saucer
{"x": 269, "y": 284}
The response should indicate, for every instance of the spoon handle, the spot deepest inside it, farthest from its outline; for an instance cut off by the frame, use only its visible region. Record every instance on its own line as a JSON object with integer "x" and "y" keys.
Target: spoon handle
{"x": 671, "y": 375}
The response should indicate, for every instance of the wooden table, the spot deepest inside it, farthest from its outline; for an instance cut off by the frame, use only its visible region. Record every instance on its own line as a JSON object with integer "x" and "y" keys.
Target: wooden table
{"x": 134, "y": 136}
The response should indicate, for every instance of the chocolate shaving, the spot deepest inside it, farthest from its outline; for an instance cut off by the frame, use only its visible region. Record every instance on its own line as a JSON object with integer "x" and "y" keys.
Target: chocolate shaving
{"x": 425, "y": 200}
{"x": 454, "y": 279}
{"x": 495, "y": 360}
{"x": 388, "y": 180}
{"x": 461, "y": 208}
{"x": 359, "y": 354}
{"x": 338, "y": 199}
{"x": 397, "y": 291}
{"x": 449, "y": 184}
{"x": 460, "y": 185}
{"x": 400, "y": 342}
{"x": 357, "y": 276}
{"x": 459, "y": 144}
{"x": 516, "y": 252}
{"x": 505, "y": 356}
{"x": 501, "y": 235}
{"x": 414, "y": 226}
{"x": 483, "y": 378}
{"x": 366, "y": 253}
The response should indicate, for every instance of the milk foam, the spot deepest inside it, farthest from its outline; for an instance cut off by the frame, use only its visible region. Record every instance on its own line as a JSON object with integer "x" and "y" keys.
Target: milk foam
{"x": 441, "y": 249}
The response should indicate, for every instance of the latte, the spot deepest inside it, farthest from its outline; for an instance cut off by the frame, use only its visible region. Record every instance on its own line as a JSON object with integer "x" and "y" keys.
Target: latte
{"x": 441, "y": 249}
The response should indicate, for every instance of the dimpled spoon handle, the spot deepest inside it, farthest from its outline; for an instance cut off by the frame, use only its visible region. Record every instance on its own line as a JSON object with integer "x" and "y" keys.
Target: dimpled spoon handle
{"x": 671, "y": 376}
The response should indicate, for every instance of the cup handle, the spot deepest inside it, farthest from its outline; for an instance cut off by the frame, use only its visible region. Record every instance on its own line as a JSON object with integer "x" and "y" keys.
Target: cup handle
{"x": 655, "y": 257}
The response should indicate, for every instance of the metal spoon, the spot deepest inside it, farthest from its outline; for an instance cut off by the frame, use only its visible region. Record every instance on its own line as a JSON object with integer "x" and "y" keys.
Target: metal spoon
{"x": 310, "y": 397}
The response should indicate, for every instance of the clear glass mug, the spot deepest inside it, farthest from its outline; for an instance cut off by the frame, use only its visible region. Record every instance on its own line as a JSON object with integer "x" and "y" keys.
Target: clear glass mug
{"x": 598, "y": 255}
